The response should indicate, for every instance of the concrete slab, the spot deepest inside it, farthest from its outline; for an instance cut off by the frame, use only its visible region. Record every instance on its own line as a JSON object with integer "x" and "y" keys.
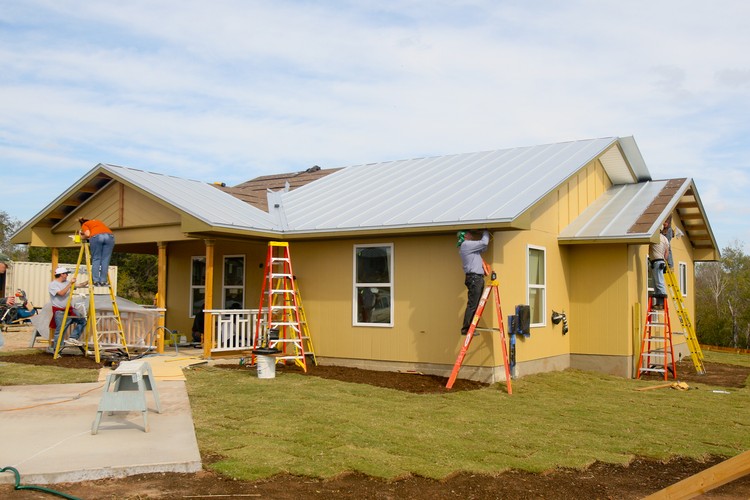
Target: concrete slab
{"x": 46, "y": 434}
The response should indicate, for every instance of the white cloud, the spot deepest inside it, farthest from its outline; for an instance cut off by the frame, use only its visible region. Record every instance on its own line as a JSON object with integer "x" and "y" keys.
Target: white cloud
{"x": 231, "y": 89}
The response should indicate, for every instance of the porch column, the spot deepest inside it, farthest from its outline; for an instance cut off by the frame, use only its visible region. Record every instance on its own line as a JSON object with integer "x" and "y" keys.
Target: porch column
{"x": 208, "y": 326}
{"x": 55, "y": 260}
{"x": 161, "y": 292}
{"x": 55, "y": 255}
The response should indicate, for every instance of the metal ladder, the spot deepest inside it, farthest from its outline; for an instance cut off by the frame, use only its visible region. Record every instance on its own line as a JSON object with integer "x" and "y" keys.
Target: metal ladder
{"x": 279, "y": 309}
{"x": 657, "y": 349}
{"x": 696, "y": 354}
{"x": 93, "y": 332}
{"x": 306, "y": 337}
{"x": 489, "y": 288}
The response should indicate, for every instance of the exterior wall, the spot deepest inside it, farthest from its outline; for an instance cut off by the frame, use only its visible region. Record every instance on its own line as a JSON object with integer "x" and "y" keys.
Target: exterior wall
{"x": 600, "y": 314}
{"x": 429, "y": 298}
{"x": 179, "y": 265}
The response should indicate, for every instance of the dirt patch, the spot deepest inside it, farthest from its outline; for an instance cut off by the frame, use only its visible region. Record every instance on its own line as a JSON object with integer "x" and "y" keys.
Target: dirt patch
{"x": 717, "y": 374}
{"x": 605, "y": 481}
{"x": 641, "y": 477}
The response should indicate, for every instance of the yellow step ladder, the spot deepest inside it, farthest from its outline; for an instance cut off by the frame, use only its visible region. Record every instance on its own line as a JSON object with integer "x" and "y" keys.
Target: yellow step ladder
{"x": 696, "y": 354}
{"x": 306, "y": 337}
{"x": 111, "y": 324}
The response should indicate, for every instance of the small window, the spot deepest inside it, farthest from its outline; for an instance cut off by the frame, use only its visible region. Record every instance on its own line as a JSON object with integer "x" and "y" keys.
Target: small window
{"x": 537, "y": 285}
{"x": 197, "y": 285}
{"x": 233, "y": 296}
{"x": 373, "y": 285}
{"x": 682, "y": 269}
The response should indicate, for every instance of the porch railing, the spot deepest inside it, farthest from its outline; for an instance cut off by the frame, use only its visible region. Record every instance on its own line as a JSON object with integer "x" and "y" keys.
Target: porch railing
{"x": 233, "y": 329}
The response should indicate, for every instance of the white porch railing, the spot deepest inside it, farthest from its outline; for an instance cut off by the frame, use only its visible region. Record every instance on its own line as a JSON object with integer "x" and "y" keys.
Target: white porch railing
{"x": 233, "y": 329}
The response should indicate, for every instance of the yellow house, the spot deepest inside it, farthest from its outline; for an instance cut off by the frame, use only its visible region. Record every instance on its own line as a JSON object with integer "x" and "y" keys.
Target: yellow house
{"x": 570, "y": 224}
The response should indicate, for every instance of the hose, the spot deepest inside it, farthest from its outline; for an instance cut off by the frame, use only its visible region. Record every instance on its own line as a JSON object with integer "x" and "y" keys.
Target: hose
{"x": 38, "y": 488}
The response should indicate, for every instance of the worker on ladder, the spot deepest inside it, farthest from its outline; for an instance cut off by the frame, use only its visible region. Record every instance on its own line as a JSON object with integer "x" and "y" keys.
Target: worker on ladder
{"x": 102, "y": 242}
{"x": 658, "y": 254}
{"x": 59, "y": 292}
{"x": 470, "y": 246}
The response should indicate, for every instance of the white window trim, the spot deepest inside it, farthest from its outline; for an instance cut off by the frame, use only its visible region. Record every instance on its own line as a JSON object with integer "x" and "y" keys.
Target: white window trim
{"x": 224, "y": 285}
{"x": 682, "y": 277}
{"x": 374, "y": 285}
{"x": 543, "y": 287}
{"x": 193, "y": 287}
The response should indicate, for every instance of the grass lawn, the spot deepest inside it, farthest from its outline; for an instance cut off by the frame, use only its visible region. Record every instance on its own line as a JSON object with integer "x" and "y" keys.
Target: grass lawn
{"x": 250, "y": 428}
{"x": 317, "y": 427}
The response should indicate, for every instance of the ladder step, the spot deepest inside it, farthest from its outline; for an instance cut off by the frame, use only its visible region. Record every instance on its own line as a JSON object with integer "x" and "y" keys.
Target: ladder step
{"x": 653, "y": 370}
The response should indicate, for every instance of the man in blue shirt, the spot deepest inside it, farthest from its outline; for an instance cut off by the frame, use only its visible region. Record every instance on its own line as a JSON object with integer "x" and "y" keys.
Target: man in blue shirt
{"x": 471, "y": 244}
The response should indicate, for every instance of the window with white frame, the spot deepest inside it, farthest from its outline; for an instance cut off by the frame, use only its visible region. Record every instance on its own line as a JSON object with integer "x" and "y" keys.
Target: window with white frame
{"x": 233, "y": 287}
{"x": 197, "y": 285}
{"x": 373, "y": 285}
{"x": 537, "y": 284}
{"x": 682, "y": 271}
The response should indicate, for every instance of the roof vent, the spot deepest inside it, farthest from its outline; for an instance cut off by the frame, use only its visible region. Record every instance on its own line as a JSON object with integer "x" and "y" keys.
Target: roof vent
{"x": 312, "y": 169}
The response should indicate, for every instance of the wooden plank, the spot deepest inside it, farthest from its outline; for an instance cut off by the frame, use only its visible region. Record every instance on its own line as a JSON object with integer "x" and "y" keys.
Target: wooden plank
{"x": 713, "y": 477}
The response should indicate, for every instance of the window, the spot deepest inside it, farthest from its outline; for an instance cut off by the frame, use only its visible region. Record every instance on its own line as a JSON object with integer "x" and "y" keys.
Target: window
{"x": 233, "y": 296}
{"x": 373, "y": 285}
{"x": 537, "y": 285}
{"x": 682, "y": 270}
{"x": 197, "y": 285}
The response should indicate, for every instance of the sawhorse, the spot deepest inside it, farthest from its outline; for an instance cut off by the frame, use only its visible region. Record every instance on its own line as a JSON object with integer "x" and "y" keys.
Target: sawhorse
{"x": 128, "y": 384}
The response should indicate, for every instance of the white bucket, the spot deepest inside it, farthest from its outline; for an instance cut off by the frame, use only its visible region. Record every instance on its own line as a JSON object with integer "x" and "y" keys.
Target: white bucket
{"x": 266, "y": 366}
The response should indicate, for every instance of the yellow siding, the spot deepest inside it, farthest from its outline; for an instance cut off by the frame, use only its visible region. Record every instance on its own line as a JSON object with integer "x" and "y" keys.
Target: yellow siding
{"x": 118, "y": 206}
{"x": 600, "y": 315}
{"x": 140, "y": 210}
{"x": 428, "y": 295}
{"x": 581, "y": 190}
{"x": 178, "y": 276}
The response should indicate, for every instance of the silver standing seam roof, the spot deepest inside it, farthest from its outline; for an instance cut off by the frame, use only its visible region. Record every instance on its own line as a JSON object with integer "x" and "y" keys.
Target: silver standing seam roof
{"x": 196, "y": 198}
{"x": 492, "y": 188}
{"x": 614, "y": 213}
{"x": 463, "y": 189}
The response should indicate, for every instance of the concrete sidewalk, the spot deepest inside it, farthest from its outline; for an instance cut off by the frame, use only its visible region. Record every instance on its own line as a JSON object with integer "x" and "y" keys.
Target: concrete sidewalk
{"x": 45, "y": 432}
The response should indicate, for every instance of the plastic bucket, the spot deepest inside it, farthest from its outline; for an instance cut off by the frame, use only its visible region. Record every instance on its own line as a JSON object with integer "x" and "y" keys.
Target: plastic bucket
{"x": 266, "y": 366}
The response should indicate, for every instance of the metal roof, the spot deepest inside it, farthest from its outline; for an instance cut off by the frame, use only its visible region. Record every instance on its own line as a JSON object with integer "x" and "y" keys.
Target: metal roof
{"x": 614, "y": 213}
{"x": 198, "y": 199}
{"x": 635, "y": 212}
{"x": 463, "y": 189}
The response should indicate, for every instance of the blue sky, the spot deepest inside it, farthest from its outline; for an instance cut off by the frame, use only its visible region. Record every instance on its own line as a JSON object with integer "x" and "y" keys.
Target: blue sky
{"x": 227, "y": 90}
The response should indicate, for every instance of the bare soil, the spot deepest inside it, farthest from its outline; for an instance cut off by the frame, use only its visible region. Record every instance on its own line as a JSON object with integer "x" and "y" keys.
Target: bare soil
{"x": 607, "y": 481}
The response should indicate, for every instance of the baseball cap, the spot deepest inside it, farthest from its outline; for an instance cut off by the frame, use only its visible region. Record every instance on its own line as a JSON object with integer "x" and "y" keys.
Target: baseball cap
{"x": 62, "y": 270}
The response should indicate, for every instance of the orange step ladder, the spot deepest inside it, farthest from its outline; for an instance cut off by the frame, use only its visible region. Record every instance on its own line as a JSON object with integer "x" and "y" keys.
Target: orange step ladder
{"x": 489, "y": 288}
{"x": 657, "y": 349}
{"x": 279, "y": 326}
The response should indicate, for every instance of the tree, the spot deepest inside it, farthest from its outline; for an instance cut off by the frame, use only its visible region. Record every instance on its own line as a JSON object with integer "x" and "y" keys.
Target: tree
{"x": 136, "y": 273}
{"x": 8, "y": 226}
{"x": 723, "y": 299}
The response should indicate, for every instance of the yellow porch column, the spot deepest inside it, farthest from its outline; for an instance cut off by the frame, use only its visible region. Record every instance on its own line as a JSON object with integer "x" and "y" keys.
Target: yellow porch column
{"x": 161, "y": 292}
{"x": 208, "y": 327}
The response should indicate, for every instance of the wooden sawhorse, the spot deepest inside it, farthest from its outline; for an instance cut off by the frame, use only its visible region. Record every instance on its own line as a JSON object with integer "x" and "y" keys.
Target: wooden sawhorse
{"x": 125, "y": 390}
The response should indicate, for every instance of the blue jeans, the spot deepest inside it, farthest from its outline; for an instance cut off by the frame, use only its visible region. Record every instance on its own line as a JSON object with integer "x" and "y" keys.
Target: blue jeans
{"x": 657, "y": 274}
{"x": 77, "y": 330}
{"x": 101, "y": 252}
